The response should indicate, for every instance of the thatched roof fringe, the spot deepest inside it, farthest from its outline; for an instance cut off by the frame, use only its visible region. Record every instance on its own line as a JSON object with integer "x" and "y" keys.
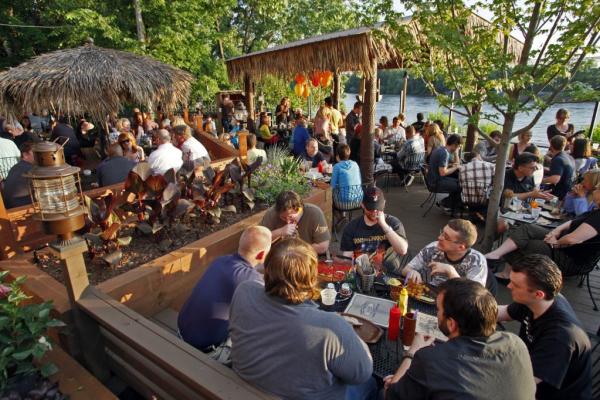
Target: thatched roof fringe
{"x": 91, "y": 80}
{"x": 350, "y": 50}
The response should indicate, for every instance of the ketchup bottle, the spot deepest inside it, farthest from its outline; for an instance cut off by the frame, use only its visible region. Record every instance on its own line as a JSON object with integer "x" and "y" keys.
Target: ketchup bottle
{"x": 320, "y": 167}
{"x": 394, "y": 323}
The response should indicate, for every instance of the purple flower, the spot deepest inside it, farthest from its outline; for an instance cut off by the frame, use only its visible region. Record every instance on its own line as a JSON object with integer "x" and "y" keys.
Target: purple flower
{"x": 4, "y": 291}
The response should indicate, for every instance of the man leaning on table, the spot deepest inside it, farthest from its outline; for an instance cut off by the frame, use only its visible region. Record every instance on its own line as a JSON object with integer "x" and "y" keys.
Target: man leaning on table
{"x": 475, "y": 363}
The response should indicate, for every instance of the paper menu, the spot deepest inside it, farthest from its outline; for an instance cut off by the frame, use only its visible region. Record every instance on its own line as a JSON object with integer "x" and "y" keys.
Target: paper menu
{"x": 428, "y": 325}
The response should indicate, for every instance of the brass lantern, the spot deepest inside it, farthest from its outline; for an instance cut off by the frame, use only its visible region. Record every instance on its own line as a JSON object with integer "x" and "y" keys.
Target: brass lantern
{"x": 55, "y": 191}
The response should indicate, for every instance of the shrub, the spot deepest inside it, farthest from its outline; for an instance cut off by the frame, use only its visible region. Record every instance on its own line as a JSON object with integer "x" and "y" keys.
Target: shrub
{"x": 23, "y": 329}
{"x": 280, "y": 173}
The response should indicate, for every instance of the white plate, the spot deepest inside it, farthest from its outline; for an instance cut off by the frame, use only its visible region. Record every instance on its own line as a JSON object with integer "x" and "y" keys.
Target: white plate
{"x": 549, "y": 216}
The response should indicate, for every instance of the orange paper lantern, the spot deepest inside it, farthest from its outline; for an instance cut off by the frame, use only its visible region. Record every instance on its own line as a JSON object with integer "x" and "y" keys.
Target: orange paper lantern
{"x": 306, "y": 92}
{"x": 315, "y": 78}
{"x": 300, "y": 79}
{"x": 326, "y": 77}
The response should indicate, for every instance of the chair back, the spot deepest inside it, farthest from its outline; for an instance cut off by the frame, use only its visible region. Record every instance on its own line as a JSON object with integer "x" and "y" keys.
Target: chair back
{"x": 414, "y": 161}
{"x": 570, "y": 268}
{"x": 425, "y": 172}
{"x": 347, "y": 198}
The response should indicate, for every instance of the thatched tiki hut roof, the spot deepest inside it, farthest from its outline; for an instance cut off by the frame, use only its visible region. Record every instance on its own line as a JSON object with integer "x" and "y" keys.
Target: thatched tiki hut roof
{"x": 349, "y": 50}
{"x": 92, "y": 80}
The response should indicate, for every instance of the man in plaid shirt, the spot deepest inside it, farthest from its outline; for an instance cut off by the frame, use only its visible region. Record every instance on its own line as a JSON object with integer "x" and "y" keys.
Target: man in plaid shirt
{"x": 410, "y": 157}
{"x": 475, "y": 179}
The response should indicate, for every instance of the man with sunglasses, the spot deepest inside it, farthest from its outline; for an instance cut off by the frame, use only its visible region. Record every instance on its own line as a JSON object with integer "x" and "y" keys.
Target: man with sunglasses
{"x": 451, "y": 256}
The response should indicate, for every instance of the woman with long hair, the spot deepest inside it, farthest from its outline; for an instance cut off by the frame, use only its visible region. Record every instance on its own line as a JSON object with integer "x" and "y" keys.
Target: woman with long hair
{"x": 582, "y": 153}
{"x": 521, "y": 145}
{"x": 130, "y": 148}
{"x": 579, "y": 200}
{"x": 434, "y": 137}
{"x": 561, "y": 127}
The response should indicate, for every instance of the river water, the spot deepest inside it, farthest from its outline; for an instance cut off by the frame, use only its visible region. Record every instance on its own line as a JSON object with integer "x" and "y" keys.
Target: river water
{"x": 581, "y": 113}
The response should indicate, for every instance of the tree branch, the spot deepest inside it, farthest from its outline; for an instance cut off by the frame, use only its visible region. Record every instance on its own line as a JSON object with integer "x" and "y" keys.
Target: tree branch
{"x": 550, "y": 100}
{"x": 547, "y": 41}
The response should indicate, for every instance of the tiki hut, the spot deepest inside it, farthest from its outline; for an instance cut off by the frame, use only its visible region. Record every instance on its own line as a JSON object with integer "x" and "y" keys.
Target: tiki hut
{"x": 91, "y": 80}
{"x": 364, "y": 50}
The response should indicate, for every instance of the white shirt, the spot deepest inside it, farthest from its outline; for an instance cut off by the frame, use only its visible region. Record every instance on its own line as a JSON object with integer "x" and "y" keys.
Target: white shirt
{"x": 397, "y": 134}
{"x": 164, "y": 158}
{"x": 192, "y": 150}
{"x": 9, "y": 156}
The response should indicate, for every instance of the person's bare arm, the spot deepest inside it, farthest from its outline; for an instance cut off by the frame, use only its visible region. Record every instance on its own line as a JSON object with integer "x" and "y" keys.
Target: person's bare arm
{"x": 581, "y": 234}
{"x": 552, "y": 180}
{"x": 447, "y": 170}
{"x": 398, "y": 243}
{"x": 503, "y": 314}
{"x": 320, "y": 248}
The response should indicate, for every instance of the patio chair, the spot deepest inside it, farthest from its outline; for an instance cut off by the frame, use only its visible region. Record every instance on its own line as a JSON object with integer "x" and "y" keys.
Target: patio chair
{"x": 346, "y": 199}
{"x": 413, "y": 165}
{"x": 582, "y": 270}
{"x": 433, "y": 191}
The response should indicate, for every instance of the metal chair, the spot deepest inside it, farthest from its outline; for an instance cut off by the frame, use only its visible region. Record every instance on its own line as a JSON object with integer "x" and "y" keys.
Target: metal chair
{"x": 433, "y": 191}
{"x": 582, "y": 270}
{"x": 345, "y": 200}
{"x": 414, "y": 165}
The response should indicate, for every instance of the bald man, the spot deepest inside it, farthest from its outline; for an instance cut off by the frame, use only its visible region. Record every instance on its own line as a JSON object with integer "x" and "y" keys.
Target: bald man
{"x": 204, "y": 318}
{"x": 166, "y": 156}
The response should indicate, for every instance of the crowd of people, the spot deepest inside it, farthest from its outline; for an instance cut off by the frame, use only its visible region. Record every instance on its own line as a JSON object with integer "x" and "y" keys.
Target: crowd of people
{"x": 254, "y": 310}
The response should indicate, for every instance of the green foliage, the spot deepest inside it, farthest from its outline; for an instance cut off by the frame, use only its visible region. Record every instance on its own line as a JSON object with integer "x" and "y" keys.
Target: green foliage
{"x": 280, "y": 173}
{"x": 596, "y": 134}
{"x": 440, "y": 115}
{"x": 23, "y": 329}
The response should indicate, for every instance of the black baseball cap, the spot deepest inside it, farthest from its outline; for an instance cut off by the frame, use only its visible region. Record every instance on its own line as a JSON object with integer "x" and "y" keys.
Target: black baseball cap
{"x": 373, "y": 199}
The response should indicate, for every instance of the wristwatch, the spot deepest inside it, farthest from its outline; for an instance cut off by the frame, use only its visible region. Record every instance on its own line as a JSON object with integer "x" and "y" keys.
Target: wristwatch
{"x": 408, "y": 354}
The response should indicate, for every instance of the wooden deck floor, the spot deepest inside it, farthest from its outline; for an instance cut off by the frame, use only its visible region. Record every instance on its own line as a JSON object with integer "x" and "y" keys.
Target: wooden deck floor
{"x": 421, "y": 231}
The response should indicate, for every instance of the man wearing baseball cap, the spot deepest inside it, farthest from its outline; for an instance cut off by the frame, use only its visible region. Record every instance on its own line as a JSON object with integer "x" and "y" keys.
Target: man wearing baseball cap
{"x": 374, "y": 231}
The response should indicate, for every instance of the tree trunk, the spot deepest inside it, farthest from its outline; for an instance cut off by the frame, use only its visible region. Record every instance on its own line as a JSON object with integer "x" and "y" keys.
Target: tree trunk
{"x": 472, "y": 130}
{"x": 139, "y": 22}
{"x": 368, "y": 126}
{"x": 249, "y": 94}
{"x": 494, "y": 202}
{"x": 336, "y": 90}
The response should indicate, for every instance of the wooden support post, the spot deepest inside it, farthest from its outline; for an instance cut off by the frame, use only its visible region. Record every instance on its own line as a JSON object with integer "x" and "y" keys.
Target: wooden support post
{"x": 243, "y": 143}
{"x": 249, "y": 92}
{"x": 593, "y": 123}
{"x": 8, "y": 244}
{"x": 336, "y": 90}
{"x": 404, "y": 91}
{"x": 368, "y": 126}
{"x": 88, "y": 331}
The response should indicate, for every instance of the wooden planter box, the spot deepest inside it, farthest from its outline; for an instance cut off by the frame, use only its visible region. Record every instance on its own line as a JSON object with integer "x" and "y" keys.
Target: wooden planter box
{"x": 164, "y": 282}
{"x": 74, "y": 380}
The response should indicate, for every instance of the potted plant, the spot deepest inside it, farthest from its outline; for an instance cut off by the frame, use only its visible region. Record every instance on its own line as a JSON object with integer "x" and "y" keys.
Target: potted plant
{"x": 23, "y": 342}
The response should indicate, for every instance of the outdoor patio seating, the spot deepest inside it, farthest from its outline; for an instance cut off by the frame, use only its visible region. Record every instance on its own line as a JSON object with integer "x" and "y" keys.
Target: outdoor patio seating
{"x": 433, "y": 192}
{"x": 346, "y": 199}
{"x": 583, "y": 271}
{"x": 595, "y": 364}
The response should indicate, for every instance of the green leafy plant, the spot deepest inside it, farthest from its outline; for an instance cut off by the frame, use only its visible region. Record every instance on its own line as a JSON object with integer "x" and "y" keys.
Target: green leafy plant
{"x": 239, "y": 171}
{"x": 23, "y": 333}
{"x": 281, "y": 173}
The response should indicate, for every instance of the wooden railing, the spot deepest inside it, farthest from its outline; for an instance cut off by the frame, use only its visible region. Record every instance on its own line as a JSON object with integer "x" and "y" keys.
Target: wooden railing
{"x": 154, "y": 361}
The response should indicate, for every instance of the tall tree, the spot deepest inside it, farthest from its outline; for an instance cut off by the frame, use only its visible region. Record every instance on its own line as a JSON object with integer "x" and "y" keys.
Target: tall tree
{"x": 139, "y": 21}
{"x": 477, "y": 60}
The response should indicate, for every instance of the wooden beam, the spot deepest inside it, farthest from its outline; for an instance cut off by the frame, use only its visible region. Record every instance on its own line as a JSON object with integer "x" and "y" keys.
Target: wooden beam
{"x": 404, "y": 92}
{"x": 336, "y": 90}
{"x": 249, "y": 93}
{"x": 368, "y": 126}
{"x": 186, "y": 365}
{"x": 8, "y": 244}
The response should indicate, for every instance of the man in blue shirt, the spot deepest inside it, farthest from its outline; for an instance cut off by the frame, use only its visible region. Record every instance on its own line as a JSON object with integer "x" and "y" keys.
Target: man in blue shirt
{"x": 562, "y": 168}
{"x": 442, "y": 176}
{"x": 204, "y": 318}
{"x": 299, "y": 137}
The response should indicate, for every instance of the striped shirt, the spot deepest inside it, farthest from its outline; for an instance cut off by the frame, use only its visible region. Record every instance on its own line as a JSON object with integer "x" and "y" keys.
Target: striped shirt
{"x": 475, "y": 179}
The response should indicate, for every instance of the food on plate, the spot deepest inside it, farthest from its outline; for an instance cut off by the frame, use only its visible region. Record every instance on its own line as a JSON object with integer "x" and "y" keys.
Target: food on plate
{"x": 394, "y": 282}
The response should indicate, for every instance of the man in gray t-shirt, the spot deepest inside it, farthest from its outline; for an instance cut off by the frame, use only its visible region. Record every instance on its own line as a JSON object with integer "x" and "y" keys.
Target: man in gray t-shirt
{"x": 285, "y": 345}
